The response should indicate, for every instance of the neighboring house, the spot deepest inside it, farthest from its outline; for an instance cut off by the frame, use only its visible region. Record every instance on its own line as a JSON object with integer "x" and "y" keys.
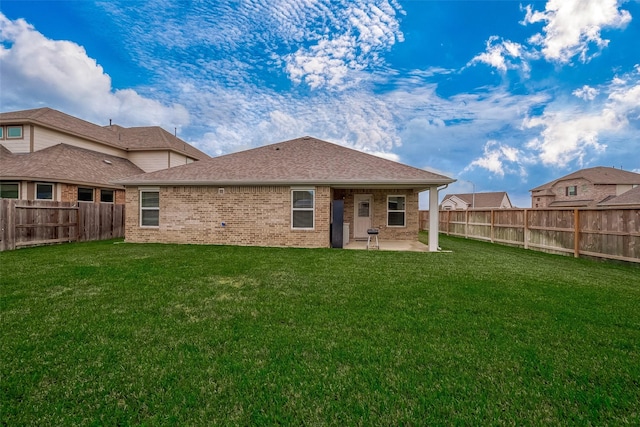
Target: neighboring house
{"x": 287, "y": 194}
{"x": 488, "y": 200}
{"x": 49, "y": 155}
{"x": 584, "y": 188}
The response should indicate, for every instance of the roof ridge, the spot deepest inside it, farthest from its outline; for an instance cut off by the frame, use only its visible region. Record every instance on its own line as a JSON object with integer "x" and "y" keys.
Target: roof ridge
{"x": 38, "y": 112}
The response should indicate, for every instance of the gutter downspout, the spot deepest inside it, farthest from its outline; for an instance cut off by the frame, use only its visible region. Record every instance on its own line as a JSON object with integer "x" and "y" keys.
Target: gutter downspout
{"x": 434, "y": 217}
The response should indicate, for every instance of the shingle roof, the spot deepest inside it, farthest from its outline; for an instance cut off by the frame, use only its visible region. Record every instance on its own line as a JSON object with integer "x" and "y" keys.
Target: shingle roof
{"x": 66, "y": 163}
{"x": 598, "y": 175}
{"x": 631, "y": 197}
{"x": 132, "y": 139}
{"x": 481, "y": 200}
{"x": 303, "y": 160}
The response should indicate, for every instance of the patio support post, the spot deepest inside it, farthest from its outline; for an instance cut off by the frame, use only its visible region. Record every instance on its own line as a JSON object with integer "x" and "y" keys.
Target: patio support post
{"x": 434, "y": 221}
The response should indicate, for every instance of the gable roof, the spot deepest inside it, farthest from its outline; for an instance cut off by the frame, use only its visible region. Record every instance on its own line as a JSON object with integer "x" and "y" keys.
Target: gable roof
{"x": 454, "y": 199}
{"x": 130, "y": 139}
{"x": 481, "y": 200}
{"x": 68, "y": 164}
{"x": 298, "y": 161}
{"x": 598, "y": 175}
{"x": 628, "y": 198}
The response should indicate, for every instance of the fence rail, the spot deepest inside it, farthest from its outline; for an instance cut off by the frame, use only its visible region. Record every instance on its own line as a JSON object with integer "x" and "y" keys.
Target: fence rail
{"x": 35, "y": 222}
{"x": 599, "y": 232}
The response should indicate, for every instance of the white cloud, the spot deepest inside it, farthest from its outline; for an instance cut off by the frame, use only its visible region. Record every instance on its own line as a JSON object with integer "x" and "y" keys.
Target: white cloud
{"x": 37, "y": 71}
{"x": 499, "y": 158}
{"x": 316, "y": 43}
{"x": 503, "y": 55}
{"x": 573, "y": 26}
{"x": 586, "y": 92}
{"x": 361, "y": 32}
{"x": 236, "y": 119}
{"x": 626, "y": 100}
{"x": 565, "y": 139}
{"x": 570, "y": 134}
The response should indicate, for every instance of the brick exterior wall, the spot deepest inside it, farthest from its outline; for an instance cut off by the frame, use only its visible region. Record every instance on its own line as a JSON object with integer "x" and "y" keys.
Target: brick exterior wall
{"x": 119, "y": 197}
{"x": 255, "y": 216}
{"x": 69, "y": 193}
{"x": 586, "y": 191}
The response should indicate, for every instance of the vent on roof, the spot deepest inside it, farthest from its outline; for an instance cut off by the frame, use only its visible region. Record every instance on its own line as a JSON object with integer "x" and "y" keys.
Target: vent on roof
{"x": 109, "y": 162}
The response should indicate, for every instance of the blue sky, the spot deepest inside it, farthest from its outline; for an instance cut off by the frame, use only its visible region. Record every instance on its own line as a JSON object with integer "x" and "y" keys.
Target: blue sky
{"x": 501, "y": 95}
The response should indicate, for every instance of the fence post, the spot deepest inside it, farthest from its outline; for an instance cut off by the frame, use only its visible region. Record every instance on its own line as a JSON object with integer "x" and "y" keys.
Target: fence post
{"x": 493, "y": 212}
{"x": 466, "y": 224}
{"x": 526, "y": 228}
{"x": 576, "y": 233}
{"x": 7, "y": 224}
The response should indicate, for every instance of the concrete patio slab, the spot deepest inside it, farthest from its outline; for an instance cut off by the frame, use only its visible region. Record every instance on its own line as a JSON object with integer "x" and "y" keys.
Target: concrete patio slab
{"x": 390, "y": 245}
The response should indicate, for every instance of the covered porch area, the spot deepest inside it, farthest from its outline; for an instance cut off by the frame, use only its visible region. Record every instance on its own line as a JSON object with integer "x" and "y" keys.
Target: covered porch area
{"x": 391, "y": 210}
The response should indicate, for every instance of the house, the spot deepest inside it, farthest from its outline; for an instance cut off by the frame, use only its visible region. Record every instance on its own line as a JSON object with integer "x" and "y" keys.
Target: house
{"x": 46, "y": 154}
{"x": 65, "y": 173}
{"x": 584, "y": 188}
{"x": 488, "y": 200}
{"x": 292, "y": 193}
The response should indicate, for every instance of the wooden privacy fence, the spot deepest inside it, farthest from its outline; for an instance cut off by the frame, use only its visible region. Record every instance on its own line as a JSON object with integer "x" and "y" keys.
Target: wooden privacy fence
{"x": 598, "y": 232}
{"x": 36, "y": 222}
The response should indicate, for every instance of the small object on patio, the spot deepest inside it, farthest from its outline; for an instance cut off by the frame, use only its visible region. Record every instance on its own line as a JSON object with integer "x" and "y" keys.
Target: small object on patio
{"x": 373, "y": 232}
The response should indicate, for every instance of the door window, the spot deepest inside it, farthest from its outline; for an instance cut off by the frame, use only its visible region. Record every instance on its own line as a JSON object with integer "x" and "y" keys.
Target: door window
{"x": 363, "y": 209}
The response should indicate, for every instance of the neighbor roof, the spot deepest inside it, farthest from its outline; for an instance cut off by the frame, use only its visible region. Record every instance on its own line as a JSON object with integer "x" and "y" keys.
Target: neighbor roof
{"x": 130, "y": 139}
{"x": 628, "y": 198}
{"x": 298, "y": 161}
{"x": 68, "y": 164}
{"x": 481, "y": 200}
{"x": 598, "y": 175}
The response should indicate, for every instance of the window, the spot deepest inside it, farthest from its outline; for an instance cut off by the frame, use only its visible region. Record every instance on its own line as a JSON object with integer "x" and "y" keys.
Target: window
{"x": 396, "y": 211}
{"x": 9, "y": 190}
{"x": 106, "y": 196}
{"x": 1, "y": 132}
{"x": 14, "y": 132}
{"x": 149, "y": 208}
{"x": 302, "y": 208}
{"x": 44, "y": 191}
{"x": 363, "y": 209}
{"x": 572, "y": 190}
{"x": 85, "y": 194}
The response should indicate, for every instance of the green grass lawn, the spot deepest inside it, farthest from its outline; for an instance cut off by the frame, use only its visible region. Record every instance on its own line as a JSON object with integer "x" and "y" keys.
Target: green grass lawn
{"x": 109, "y": 333}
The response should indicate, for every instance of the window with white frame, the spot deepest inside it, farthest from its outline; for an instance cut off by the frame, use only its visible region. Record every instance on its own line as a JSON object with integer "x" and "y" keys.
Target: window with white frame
{"x": 106, "y": 196}
{"x": 44, "y": 191}
{"x": 572, "y": 190}
{"x": 302, "y": 209}
{"x": 1, "y": 132}
{"x": 14, "y": 132}
{"x": 396, "y": 213}
{"x": 9, "y": 190}
{"x": 85, "y": 194}
{"x": 149, "y": 208}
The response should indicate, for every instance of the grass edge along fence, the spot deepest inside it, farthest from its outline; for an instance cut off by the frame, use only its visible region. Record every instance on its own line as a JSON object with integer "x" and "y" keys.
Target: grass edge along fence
{"x": 25, "y": 223}
{"x": 587, "y": 232}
